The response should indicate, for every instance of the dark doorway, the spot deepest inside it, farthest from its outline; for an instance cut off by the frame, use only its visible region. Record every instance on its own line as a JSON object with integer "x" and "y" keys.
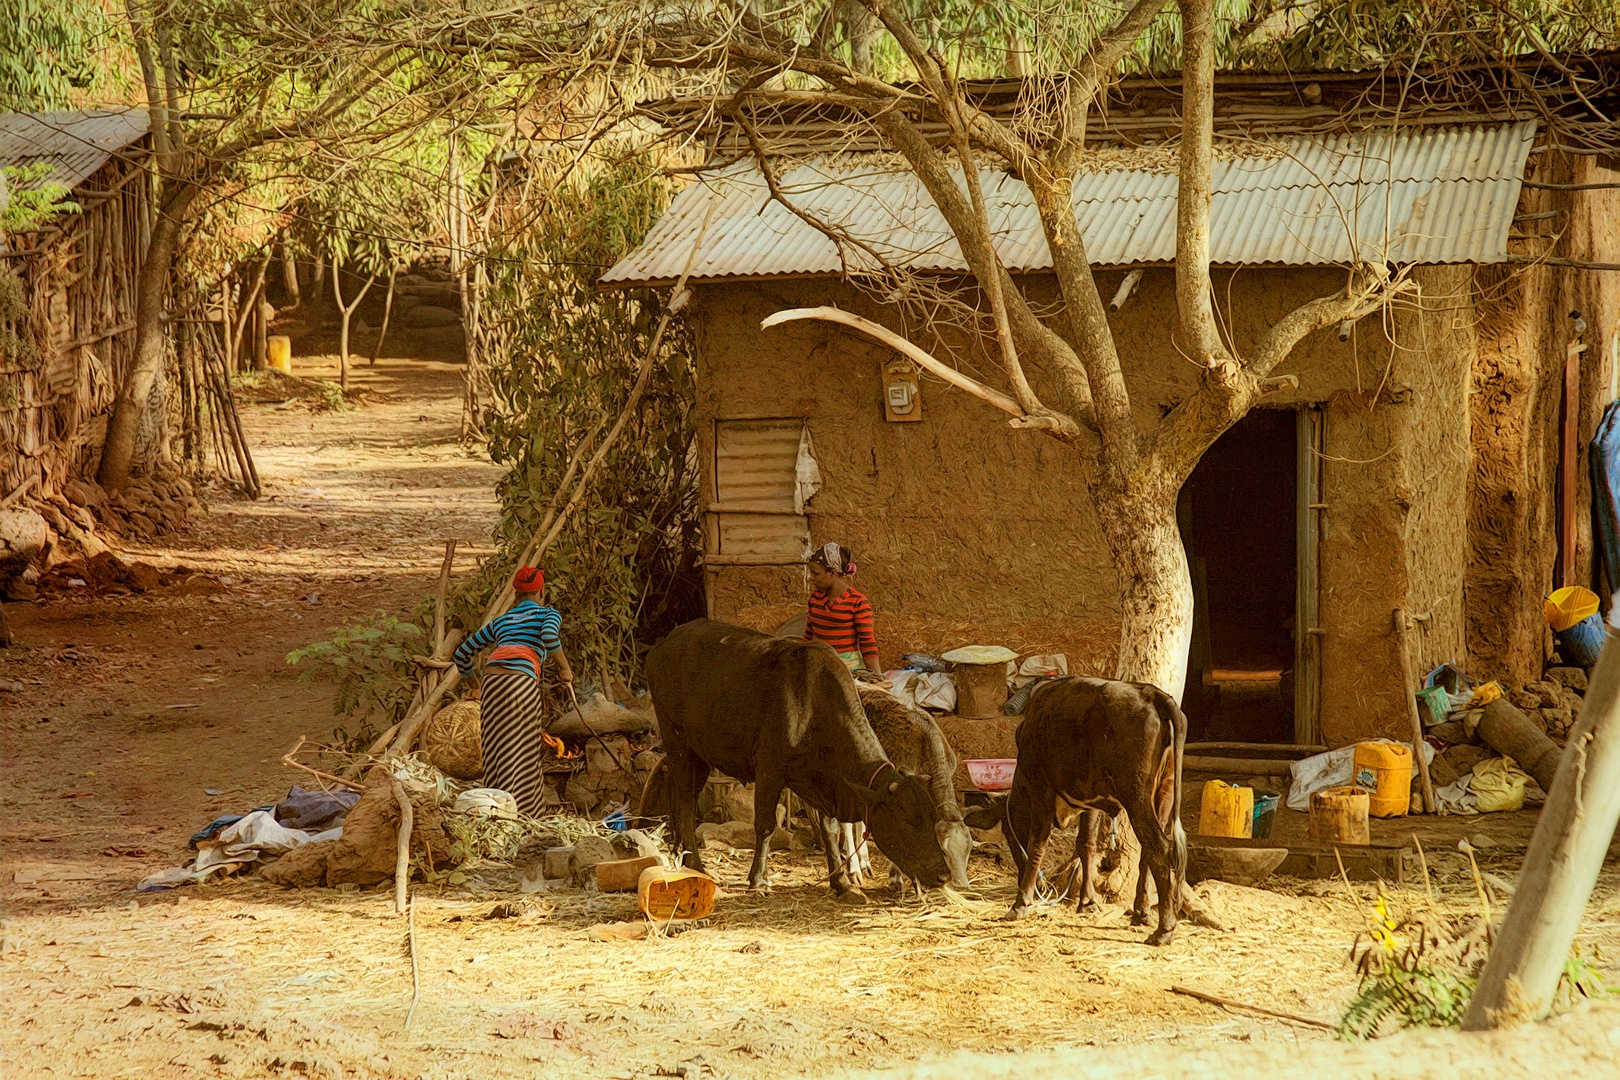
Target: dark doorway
{"x": 1238, "y": 519}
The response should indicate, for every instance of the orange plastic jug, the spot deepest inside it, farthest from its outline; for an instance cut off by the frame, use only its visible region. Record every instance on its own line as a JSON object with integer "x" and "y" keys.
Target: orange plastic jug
{"x": 667, "y": 893}
{"x": 1385, "y": 771}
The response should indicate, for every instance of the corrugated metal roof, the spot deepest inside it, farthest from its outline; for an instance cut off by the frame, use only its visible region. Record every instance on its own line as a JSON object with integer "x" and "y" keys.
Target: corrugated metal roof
{"x": 75, "y": 144}
{"x": 1435, "y": 195}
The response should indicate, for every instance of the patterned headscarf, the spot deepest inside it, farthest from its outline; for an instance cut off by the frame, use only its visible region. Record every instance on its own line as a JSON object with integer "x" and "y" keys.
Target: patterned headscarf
{"x": 835, "y": 557}
{"x": 529, "y": 579}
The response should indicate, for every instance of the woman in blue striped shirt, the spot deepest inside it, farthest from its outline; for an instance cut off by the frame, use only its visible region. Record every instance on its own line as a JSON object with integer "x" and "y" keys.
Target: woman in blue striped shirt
{"x": 509, "y": 689}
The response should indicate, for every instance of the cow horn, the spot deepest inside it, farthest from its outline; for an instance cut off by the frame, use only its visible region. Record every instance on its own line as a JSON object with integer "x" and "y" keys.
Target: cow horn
{"x": 894, "y": 786}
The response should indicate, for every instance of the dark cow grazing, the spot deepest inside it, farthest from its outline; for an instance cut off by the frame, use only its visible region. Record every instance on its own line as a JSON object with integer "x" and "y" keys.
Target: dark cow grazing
{"x": 780, "y": 713}
{"x": 1098, "y": 744}
{"x": 914, "y": 742}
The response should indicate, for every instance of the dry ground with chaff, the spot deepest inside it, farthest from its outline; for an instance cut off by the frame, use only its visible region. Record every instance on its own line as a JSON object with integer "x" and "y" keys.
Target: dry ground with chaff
{"x": 136, "y": 710}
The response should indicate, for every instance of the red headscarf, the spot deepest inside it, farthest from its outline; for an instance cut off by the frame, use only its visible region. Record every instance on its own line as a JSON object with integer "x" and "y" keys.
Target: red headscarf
{"x": 529, "y": 579}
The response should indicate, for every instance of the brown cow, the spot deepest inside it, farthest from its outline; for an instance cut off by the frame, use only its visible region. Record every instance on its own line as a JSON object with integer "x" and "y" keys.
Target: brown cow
{"x": 783, "y": 714}
{"x": 1099, "y": 744}
{"x": 914, "y": 742}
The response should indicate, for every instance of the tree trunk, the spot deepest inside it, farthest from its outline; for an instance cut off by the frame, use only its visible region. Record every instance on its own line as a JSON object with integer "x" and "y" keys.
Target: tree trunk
{"x": 151, "y": 333}
{"x": 289, "y": 275}
{"x": 1156, "y": 616}
{"x": 388, "y": 310}
{"x": 319, "y": 278}
{"x": 343, "y": 331}
{"x": 1562, "y": 864}
{"x": 345, "y": 313}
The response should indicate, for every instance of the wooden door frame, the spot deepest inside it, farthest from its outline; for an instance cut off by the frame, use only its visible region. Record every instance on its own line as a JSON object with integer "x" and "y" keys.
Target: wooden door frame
{"x": 1307, "y": 544}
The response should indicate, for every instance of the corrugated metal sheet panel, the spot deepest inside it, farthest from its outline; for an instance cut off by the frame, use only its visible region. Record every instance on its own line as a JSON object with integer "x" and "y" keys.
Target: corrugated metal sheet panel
{"x": 1437, "y": 195}
{"x": 755, "y": 463}
{"x": 75, "y": 144}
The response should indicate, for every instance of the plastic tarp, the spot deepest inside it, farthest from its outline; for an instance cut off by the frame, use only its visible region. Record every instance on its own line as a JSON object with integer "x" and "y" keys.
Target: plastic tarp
{"x": 933, "y": 690}
{"x": 1605, "y": 460}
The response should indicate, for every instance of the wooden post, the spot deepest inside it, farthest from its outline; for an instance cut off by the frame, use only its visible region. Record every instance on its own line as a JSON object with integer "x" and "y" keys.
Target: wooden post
{"x": 1430, "y": 805}
{"x": 1565, "y": 856}
{"x": 442, "y": 594}
{"x": 1569, "y": 449}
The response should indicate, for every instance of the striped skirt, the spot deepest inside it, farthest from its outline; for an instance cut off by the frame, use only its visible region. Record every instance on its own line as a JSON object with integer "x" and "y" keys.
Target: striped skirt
{"x": 509, "y": 725}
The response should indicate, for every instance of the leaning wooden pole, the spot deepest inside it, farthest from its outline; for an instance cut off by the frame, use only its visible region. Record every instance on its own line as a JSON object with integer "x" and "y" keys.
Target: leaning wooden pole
{"x": 1562, "y": 865}
{"x": 555, "y": 518}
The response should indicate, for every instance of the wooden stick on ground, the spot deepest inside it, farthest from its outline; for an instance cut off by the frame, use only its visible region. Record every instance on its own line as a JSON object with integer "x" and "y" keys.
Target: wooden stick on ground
{"x": 1430, "y": 804}
{"x": 1228, "y": 1003}
{"x": 402, "y": 849}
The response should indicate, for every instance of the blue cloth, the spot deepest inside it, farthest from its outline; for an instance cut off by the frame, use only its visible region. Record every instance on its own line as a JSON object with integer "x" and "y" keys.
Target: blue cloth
{"x": 220, "y": 824}
{"x": 1604, "y": 457}
{"x": 528, "y": 624}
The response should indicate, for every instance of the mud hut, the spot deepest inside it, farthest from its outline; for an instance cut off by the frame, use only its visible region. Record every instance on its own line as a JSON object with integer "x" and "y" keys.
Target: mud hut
{"x": 1415, "y": 465}
{"x": 77, "y": 275}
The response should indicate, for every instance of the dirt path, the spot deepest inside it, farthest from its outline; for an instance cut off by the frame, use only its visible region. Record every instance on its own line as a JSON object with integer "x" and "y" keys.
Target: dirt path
{"x": 138, "y": 710}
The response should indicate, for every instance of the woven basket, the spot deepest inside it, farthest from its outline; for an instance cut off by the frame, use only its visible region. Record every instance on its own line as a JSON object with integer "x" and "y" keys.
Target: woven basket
{"x": 452, "y": 741}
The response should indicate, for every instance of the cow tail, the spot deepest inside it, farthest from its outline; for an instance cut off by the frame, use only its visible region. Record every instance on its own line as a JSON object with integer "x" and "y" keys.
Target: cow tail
{"x": 1175, "y": 723}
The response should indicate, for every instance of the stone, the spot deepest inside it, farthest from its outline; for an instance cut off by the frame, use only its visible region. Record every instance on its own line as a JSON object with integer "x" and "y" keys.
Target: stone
{"x": 588, "y": 851}
{"x": 735, "y": 834}
{"x": 1546, "y": 691}
{"x": 647, "y": 760}
{"x": 1572, "y": 677}
{"x": 144, "y": 577}
{"x": 1524, "y": 699}
{"x": 143, "y": 525}
{"x": 1556, "y": 722}
{"x": 600, "y": 758}
{"x": 427, "y": 316}
{"x": 84, "y": 493}
{"x": 558, "y": 861}
{"x": 1568, "y": 699}
{"x": 24, "y": 536}
{"x": 1452, "y": 731}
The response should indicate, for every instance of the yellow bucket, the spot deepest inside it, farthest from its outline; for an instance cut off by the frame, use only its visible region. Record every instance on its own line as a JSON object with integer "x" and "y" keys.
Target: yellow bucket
{"x": 1385, "y": 771}
{"x": 278, "y": 353}
{"x": 1226, "y": 810}
{"x": 1568, "y": 606}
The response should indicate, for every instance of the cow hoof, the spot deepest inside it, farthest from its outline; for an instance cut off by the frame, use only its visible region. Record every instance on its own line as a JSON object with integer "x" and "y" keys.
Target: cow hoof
{"x": 762, "y": 888}
{"x": 1014, "y": 914}
{"x": 1139, "y": 918}
{"x": 853, "y": 897}
{"x": 1161, "y": 937}
{"x": 1086, "y": 905}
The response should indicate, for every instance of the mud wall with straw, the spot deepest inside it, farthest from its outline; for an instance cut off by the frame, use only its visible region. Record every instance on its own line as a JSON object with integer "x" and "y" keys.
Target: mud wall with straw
{"x": 1525, "y": 330}
{"x": 968, "y": 532}
{"x": 78, "y": 279}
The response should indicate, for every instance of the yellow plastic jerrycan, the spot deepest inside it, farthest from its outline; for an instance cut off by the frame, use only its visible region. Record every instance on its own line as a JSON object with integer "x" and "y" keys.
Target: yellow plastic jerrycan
{"x": 1568, "y": 606}
{"x": 1227, "y": 810}
{"x": 1385, "y": 771}
{"x": 278, "y": 353}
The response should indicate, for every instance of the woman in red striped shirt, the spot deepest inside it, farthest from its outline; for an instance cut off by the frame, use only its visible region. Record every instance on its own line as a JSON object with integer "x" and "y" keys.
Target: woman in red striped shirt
{"x": 840, "y": 614}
